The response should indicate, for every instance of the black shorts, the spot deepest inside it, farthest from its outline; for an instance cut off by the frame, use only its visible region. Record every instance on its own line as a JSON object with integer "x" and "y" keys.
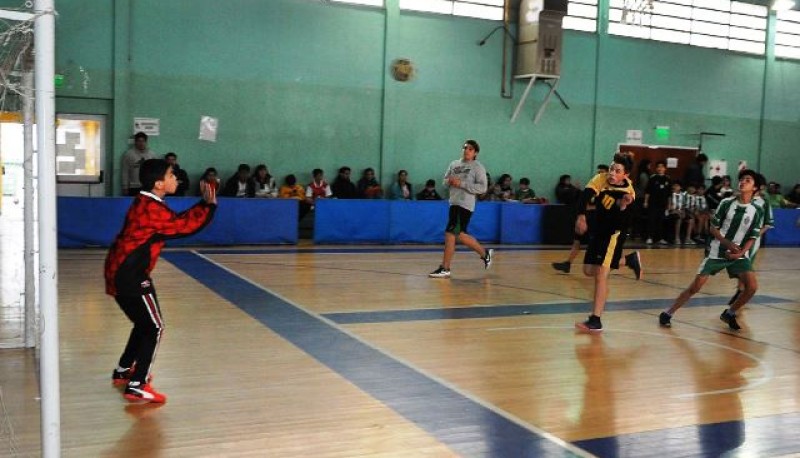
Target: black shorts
{"x": 605, "y": 249}
{"x": 458, "y": 220}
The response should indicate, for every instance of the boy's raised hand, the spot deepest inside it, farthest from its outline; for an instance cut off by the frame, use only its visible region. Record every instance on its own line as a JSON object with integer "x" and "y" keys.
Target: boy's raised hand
{"x": 209, "y": 193}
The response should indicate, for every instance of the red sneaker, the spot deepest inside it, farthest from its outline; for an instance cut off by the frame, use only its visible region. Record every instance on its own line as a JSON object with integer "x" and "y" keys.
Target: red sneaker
{"x": 143, "y": 393}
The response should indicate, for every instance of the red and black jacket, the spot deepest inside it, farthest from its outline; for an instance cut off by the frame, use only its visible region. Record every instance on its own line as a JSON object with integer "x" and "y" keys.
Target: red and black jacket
{"x": 148, "y": 223}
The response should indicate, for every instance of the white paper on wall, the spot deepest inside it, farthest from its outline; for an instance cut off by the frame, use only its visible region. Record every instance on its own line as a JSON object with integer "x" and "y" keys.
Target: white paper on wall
{"x": 717, "y": 168}
{"x": 208, "y": 128}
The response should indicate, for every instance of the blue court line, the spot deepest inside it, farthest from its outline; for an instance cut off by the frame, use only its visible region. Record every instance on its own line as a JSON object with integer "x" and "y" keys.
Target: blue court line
{"x": 354, "y": 250}
{"x": 497, "y": 311}
{"x": 774, "y": 435}
{"x": 463, "y": 424}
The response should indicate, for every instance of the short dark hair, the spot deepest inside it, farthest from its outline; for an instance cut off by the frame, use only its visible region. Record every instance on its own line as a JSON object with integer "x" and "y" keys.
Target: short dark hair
{"x": 291, "y": 180}
{"x": 751, "y": 173}
{"x": 624, "y": 159}
{"x": 344, "y": 169}
{"x": 701, "y": 158}
{"x": 152, "y": 170}
{"x": 140, "y": 135}
{"x": 243, "y": 168}
{"x": 170, "y": 154}
{"x": 474, "y": 145}
{"x": 602, "y": 167}
{"x": 316, "y": 172}
{"x": 430, "y": 182}
{"x": 524, "y": 181}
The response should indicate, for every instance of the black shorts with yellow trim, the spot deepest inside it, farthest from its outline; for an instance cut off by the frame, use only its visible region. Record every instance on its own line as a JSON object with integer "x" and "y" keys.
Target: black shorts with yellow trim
{"x": 458, "y": 220}
{"x": 605, "y": 249}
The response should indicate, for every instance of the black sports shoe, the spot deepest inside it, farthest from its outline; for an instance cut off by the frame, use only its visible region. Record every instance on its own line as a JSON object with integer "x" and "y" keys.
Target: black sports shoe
{"x": 731, "y": 320}
{"x": 121, "y": 378}
{"x": 735, "y": 296}
{"x": 487, "y": 260}
{"x": 562, "y": 266}
{"x": 593, "y": 324}
{"x": 441, "y": 272}
{"x": 664, "y": 320}
{"x": 634, "y": 262}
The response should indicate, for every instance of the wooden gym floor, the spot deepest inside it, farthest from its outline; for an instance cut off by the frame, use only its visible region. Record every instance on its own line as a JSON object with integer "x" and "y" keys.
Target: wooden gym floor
{"x": 354, "y": 351}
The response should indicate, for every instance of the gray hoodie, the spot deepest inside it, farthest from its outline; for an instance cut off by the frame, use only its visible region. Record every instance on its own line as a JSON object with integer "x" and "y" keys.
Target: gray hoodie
{"x": 473, "y": 182}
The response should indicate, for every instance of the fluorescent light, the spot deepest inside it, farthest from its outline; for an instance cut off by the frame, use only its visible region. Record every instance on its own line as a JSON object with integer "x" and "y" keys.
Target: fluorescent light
{"x": 780, "y": 5}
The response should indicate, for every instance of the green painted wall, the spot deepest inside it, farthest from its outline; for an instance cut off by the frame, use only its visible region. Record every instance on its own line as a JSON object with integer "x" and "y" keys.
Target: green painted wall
{"x": 299, "y": 84}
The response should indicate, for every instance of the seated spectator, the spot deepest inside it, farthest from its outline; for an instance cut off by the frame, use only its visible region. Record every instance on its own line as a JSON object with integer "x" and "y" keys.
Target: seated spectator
{"x": 401, "y": 189}
{"x": 236, "y": 186}
{"x": 776, "y": 199}
{"x": 318, "y": 188}
{"x": 291, "y": 190}
{"x": 368, "y": 186}
{"x": 180, "y": 174}
{"x": 566, "y": 192}
{"x": 489, "y": 194}
{"x": 794, "y": 195}
{"x": 725, "y": 191}
{"x": 262, "y": 184}
{"x": 525, "y": 194}
{"x": 210, "y": 179}
{"x": 502, "y": 189}
{"x": 429, "y": 192}
{"x": 342, "y": 187}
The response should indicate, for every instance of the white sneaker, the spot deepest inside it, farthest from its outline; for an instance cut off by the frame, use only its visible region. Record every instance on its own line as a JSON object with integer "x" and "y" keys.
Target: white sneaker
{"x": 663, "y": 242}
{"x": 649, "y": 241}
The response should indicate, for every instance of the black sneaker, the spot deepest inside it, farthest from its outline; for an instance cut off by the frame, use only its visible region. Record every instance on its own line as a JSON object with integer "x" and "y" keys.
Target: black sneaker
{"x": 441, "y": 272}
{"x": 735, "y": 296}
{"x": 664, "y": 320}
{"x": 487, "y": 260}
{"x": 121, "y": 378}
{"x": 731, "y": 320}
{"x": 634, "y": 262}
{"x": 593, "y": 324}
{"x": 562, "y": 266}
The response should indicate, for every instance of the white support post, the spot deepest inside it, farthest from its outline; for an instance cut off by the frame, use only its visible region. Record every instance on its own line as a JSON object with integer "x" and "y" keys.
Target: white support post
{"x": 27, "y": 203}
{"x": 44, "y": 46}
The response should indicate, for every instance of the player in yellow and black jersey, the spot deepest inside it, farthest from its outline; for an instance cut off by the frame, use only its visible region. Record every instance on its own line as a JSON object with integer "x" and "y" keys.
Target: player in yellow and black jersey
{"x": 613, "y": 198}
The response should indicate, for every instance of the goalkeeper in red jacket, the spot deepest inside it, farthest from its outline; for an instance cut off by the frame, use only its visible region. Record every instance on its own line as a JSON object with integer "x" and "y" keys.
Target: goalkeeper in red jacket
{"x": 133, "y": 255}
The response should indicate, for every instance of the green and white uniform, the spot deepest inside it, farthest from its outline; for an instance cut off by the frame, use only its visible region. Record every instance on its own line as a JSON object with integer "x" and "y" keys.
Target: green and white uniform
{"x": 769, "y": 221}
{"x": 737, "y": 222}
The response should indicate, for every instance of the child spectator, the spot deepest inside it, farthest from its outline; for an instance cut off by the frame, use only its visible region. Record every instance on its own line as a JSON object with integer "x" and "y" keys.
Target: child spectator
{"x": 677, "y": 214}
{"x": 429, "y": 192}
{"x": 368, "y": 186}
{"x": 209, "y": 179}
{"x": 236, "y": 186}
{"x": 502, "y": 189}
{"x": 318, "y": 188}
{"x": 656, "y": 201}
{"x": 566, "y": 192}
{"x": 525, "y": 194}
{"x": 262, "y": 184}
{"x": 401, "y": 189}
{"x": 291, "y": 190}
{"x": 342, "y": 187}
{"x": 701, "y": 213}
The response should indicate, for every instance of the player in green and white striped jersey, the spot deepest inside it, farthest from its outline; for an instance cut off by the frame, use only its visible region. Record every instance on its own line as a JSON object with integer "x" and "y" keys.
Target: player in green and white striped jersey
{"x": 769, "y": 223}
{"x": 735, "y": 227}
